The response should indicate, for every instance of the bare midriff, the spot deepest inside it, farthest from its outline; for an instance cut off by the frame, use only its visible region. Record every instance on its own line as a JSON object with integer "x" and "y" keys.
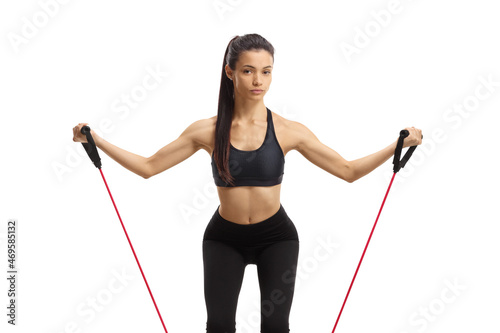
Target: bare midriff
{"x": 248, "y": 204}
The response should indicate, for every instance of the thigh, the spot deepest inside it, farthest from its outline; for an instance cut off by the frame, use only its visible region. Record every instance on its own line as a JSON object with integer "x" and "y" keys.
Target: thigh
{"x": 223, "y": 267}
{"x": 277, "y": 268}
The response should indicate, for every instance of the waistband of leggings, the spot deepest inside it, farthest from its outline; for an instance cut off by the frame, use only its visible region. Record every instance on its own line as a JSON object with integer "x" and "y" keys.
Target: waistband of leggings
{"x": 277, "y": 217}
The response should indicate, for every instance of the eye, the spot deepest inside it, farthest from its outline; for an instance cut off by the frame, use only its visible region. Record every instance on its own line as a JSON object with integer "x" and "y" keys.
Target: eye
{"x": 246, "y": 70}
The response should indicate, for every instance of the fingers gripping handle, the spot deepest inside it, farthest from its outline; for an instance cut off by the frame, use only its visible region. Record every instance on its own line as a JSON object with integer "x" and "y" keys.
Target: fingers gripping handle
{"x": 90, "y": 147}
{"x": 398, "y": 164}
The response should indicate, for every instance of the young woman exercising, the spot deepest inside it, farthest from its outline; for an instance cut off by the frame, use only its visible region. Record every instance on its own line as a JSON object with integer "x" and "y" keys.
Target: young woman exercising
{"x": 247, "y": 143}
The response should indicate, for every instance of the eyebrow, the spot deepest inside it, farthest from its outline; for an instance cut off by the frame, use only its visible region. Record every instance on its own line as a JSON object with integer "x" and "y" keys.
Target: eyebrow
{"x": 254, "y": 67}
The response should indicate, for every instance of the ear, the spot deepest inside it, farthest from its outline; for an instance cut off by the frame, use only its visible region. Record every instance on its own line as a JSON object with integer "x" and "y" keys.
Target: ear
{"x": 229, "y": 72}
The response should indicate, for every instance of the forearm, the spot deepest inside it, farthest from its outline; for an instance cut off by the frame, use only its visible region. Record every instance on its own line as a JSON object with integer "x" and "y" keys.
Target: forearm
{"x": 363, "y": 166}
{"x": 131, "y": 161}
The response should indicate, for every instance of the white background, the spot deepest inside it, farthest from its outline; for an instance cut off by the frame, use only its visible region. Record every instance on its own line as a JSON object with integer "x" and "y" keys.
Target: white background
{"x": 439, "y": 224}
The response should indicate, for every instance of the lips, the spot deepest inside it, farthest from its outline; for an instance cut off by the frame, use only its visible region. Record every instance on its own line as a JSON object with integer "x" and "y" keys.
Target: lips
{"x": 257, "y": 90}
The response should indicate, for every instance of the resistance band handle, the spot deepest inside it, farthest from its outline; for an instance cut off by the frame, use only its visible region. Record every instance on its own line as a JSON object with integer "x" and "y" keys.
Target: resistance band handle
{"x": 90, "y": 147}
{"x": 398, "y": 164}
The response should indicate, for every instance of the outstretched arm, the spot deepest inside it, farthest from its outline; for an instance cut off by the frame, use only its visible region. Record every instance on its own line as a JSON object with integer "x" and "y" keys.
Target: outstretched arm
{"x": 168, "y": 156}
{"x": 329, "y": 160}
{"x": 363, "y": 166}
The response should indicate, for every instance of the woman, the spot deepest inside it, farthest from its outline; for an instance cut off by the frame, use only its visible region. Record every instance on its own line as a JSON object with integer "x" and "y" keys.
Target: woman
{"x": 248, "y": 143}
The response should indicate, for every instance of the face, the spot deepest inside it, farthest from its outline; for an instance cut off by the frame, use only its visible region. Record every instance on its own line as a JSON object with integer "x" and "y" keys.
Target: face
{"x": 253, "y": 72}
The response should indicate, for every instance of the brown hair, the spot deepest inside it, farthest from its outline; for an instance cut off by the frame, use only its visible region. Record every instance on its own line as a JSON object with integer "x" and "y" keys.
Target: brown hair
{"x": 236, "y": 46}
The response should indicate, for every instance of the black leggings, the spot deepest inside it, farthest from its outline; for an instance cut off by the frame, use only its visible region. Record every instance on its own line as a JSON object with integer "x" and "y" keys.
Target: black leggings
{"x": 272, "y": 245}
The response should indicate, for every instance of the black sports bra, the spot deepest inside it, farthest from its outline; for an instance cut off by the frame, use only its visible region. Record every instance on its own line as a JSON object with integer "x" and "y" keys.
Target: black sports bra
{"x": 263, "y": 166}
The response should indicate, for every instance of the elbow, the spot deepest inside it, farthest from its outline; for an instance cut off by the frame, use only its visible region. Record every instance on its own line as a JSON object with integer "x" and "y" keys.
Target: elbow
{"x": 148, "y": 175}
{"x": 350, "y": 174}
{"x": 350, "y": 180}
{"x": 146, "y": 172}
{"x": 145, "y": 175}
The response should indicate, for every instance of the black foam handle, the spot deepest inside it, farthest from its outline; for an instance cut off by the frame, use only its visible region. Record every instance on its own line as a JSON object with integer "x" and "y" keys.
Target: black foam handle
{"x": 90, "y": 147}
{"x": 398, "y": 164}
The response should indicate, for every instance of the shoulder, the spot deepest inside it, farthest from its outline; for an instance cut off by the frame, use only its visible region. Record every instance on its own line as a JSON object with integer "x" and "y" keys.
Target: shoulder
{"x": 293, "y": 133}
{"x": 288, "y": 124}
{"x": 201, "y": 132}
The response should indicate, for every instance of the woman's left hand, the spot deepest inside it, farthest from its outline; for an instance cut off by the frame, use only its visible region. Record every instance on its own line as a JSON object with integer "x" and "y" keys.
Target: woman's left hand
{"x": 415, "y": 137}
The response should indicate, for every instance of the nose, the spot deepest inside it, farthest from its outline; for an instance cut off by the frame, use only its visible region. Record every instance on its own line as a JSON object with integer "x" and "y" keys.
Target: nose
{"x": 256, "y": 80}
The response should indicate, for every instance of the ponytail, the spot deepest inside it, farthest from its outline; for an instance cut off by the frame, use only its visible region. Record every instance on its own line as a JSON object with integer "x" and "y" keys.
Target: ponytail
{"x": 235, "y": 47}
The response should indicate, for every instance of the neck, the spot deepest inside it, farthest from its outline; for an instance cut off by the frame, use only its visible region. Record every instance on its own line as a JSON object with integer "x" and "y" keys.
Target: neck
{"x": 248, "y": 110}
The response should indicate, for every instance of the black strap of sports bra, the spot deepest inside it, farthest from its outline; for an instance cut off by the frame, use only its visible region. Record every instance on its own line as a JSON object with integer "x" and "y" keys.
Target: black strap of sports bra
{"x": 90, "y": 147}
{"x": 398, "y": 164}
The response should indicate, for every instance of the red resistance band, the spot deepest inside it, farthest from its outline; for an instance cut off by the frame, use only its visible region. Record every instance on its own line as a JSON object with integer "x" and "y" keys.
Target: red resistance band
{"x": 398, "y": 164}
{"x": 364, "y": 251}
{"x": 91, "y": 149}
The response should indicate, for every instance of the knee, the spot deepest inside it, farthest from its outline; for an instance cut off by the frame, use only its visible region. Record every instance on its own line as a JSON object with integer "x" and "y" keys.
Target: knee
{"x": 275, "y": 323}
{"x": 275, "y": 328}
{"x": 219, "y": 326}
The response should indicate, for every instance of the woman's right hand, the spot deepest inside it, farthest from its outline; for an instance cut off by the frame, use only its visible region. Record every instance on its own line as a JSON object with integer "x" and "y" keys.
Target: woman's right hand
{"x": 77, "y": 133}
{"x": 133, "y": 162}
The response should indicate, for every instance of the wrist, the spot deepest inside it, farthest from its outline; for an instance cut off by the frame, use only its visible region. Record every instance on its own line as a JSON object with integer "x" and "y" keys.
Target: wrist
{"x": 97, "y": 139}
